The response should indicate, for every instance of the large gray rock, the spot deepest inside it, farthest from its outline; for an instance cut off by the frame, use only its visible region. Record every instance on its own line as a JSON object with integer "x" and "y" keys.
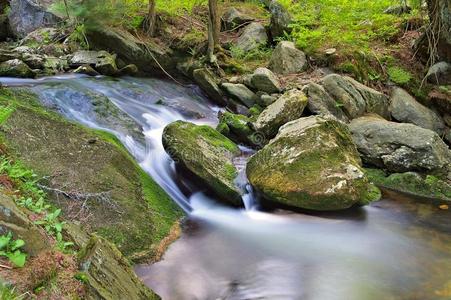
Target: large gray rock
{"x": 440, "y": 73}
{"x": 321, "y": 103}
{"x": 399, "y": 147}
{"x": 264, "y": 80}
{"x": 27, "y": 15}
{"x": 240, "y": 92}
{"x": 16, "y": 68}
{"x": 313, "y": 164}
{"x": 41, "y": 36}
{"x": 233, "y": 18}
{"x": 207, "y": 154}
{"x": 404, "y": 108}
{"x": 287, "y": 59}
{"x": 280, "y": 19}
{"x": 354, "y": 98}
{"x": 288, "y": 107}
{"x": 253, "y": 36}
{"x": 102, "y": 61}
{"x": 209, "y": 84}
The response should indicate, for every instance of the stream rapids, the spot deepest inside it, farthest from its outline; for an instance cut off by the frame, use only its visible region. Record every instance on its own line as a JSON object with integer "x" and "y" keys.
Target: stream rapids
{"x": 397, "y": 248}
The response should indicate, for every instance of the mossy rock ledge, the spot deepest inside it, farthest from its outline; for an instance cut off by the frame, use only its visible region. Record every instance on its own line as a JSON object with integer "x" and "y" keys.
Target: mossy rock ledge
{"x": 122, "y": 203}
{"x": 207, "y": 154}
{"x": 311, "y": 164}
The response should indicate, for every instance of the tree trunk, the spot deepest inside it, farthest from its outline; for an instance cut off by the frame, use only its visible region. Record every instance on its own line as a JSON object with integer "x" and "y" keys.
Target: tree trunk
{"x": 151, "y": 18}
{"x": 213, "y": 29}
{"x": 439, "y": 33}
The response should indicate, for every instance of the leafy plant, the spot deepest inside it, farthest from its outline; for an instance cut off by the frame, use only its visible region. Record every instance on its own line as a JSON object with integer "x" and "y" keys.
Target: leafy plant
{"x": 7, "y": 292}
{"x": 399, "y": 75}
{"x": 10, "y": 248}
{"x": 37, "y": 207}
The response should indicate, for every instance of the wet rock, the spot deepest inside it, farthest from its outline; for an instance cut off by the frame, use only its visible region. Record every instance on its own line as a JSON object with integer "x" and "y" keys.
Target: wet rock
{"x": 207, "y": 154}
{"x": 13, "y": 220}
{"x": 253, "y": 36}
{"x": 86, "y": 69}
{"x": 312, "y": 164}
{"x": 288, "y": 107}
{"x": 404, "y": 108}
{"x": 209, "y": 84}
{"x": 236, "y": 127}
{"x": 129, "y": 70}
{"x": 26, "y": 16}
{"x": 440, "y": 73}
{"x": 102, "y": 61}
{"x": 55, "y": 65}
{"x": 399, "y": 147}
{"x": 287, "y": 59}
{"x": 16, "y": 68}
{"x": 109, "y": 274}
{"x": 34, "y": 61}
{"x": 280, "y": 19}
{"x": 240, "y": 92}
{"x": 264, "y": 80}
{"x": 233, "y": 18}
{"x": 320, "y": 103}
{"x": 354, "y": 98}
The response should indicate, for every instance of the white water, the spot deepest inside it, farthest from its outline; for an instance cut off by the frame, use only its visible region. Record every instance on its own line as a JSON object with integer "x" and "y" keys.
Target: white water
{"x": 385, "y": 251}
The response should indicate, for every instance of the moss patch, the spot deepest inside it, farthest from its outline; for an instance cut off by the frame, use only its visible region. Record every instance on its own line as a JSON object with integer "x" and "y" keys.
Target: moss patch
{"x": 134, "y": 212}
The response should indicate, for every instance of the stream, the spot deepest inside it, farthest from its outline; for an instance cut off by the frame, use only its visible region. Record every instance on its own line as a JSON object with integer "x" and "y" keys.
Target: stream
{"x": 397, "y": 248}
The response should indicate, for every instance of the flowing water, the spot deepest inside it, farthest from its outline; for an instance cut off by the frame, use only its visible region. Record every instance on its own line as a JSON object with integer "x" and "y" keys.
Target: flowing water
{"x": 398, "y": 248}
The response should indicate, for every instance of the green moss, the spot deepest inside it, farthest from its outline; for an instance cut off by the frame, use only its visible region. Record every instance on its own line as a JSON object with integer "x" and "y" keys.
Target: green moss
{"x": 214, "y": 138}
{"x": 413, "y": 183}
{"x": 399, "y": 75}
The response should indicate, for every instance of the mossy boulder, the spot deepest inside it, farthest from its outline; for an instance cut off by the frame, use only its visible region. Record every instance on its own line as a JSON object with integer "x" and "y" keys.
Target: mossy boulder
{"x": 238, "y": 129}
{"x": 16, "y": 68}
{"x": 311, "y": 164}
{"x": 108, "y": 273}
{"x": 288, "y": 107}
{"x": 104, "y": 188}
{"x": 102, "y": 61}
{"x": 412, "y": 183}
{"x": 400, "y": 147}
{"x": 207, "y": 154}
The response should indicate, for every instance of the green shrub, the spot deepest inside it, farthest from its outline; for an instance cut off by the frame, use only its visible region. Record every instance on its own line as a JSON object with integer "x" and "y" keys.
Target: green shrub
{"x": 399, "y": 75}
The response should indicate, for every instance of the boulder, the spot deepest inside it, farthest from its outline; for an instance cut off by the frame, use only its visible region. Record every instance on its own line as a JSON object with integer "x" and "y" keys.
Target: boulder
{"x": 102, "y": 61}
{"x": 265, "y": 100}
{"x": 288, "y": 107}
{"x": 280, "y": 19}
{"x": 129, "y": 70}
{"x": 34, "y": 61}
{"x": 109, "y": 275}
{"x": 233, "y": 18}
{"x": 440, "y": 73}
{"x": 41, "y": 36}
{"x": 8, "y": 55}
{"x": 240, "y": 92}
{"x": 26, "y": 16}
{"x": 321, "y": 103}
{"x": 404, "y": 108}
{"x": 311, "y": 164}
{"x": 87, "y": 70}
{"x": 287, "y": 59}
{"x": 236, "y": 127}
{"x": 13, "y": 220}
{"x": 399, "y": 147}
{"x": 16, "y": 68}
{"x": 209, "y": 84}
{"x": 253, "y": 36}
{"x": 207, "y": 154}
{"x": 354, "y": 98}
{"x": 264, "y": 80}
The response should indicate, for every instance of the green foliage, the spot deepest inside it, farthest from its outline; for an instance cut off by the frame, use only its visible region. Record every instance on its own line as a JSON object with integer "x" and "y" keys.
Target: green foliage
{"x": 10, "y": 248}
{"x": 399, "y": 75}
{"x": 346, "y": 24}
{"x": 7, "y": 292}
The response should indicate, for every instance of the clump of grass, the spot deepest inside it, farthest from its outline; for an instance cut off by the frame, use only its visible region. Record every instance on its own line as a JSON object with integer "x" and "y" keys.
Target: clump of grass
{"x": 399, "y": 75}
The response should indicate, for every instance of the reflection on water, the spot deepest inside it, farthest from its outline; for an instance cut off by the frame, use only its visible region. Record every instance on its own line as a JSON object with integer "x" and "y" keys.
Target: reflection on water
{"x": 394, "y": 249}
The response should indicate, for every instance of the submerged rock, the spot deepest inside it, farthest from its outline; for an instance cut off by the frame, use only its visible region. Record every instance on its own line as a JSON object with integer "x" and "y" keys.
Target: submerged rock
{"x": 253, "y": 36}
{"x": 404, "y": 108}
{"x": 207, "y": 154}
{"x": 312, "y": 164}
{"x": 16, "y": 68}
{"x": 287, "y": 59}
{"x": 264, "y": 80}
{"x": 400, "y": 147}
{"x": 288, "y": 107}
